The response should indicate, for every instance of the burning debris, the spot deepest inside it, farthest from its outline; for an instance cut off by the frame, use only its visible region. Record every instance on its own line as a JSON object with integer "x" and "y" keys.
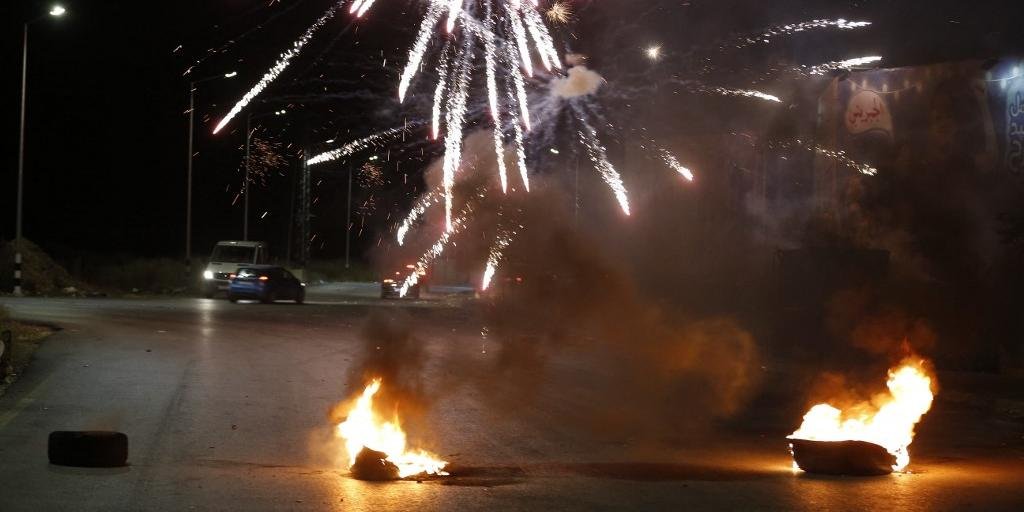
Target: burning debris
{"x": 377, "y": 448}
{"x": 842, "y": 457}
{"x": 823, "y": 442}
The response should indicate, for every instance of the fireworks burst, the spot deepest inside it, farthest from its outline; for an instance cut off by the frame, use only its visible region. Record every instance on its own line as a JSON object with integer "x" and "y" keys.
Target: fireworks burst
{"x": 517, "y": 51}
{"x": 653, "y": 52}
{"x": 559, "y": 12}
{"x": 511, "y": 20}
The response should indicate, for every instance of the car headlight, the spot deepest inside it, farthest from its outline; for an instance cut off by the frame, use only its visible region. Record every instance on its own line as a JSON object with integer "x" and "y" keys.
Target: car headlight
{"x": 207, "y": 274}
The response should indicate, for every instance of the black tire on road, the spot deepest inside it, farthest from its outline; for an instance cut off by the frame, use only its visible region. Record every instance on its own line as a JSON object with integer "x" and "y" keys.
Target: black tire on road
{"x": 269, "y": 298}
{"x": 301, "y": 297}
{"x": 232, "y": 298}
{"x": 88, "y": 449}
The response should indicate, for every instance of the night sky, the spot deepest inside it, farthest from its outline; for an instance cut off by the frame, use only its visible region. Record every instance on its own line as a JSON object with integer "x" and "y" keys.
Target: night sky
{"x": 105, "y": 169}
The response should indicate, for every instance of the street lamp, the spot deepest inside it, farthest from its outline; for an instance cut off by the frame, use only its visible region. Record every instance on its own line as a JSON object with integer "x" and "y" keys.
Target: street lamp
{"x": 57, "y": 11}
{"x": 191, "y": 141}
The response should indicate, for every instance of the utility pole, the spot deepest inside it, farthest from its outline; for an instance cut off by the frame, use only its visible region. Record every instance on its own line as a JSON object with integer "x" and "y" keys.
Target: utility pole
{"x": 291, "y": 213}
{"x": 348, "y": 219}
{"x": 188, "y": 194}
{"x": 304, "y": 213}
{"x": 245, "y": 187}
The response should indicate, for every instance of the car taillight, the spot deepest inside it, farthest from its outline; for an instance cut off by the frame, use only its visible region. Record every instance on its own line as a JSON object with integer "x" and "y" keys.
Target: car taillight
{"x": 231, "y": 277}
{"x": 264, "y": 278}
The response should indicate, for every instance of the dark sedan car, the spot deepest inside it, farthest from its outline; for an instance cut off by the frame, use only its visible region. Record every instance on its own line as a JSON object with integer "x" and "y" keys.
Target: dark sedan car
{"x": 266, "y": 283}
{"x": 391, "y": 284}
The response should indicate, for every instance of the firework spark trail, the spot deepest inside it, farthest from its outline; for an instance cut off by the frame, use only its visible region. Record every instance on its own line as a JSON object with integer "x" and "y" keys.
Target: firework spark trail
{"x": 359, "y": 7}
{"x": 359, "y": 145}
{"x": 439, "y": 93}
{"x": 693, "y": 86}
{"x": 422, "y": 205}
{"x": 673, "y": 163}
{"x": 599, "y": 156}
{"x": 838, "y": 155}
{"x": 496, "y": 254}
{"x": 841, "y": 156}
{"x": 491, "y": 61}
{"x": 283, "y": 61}
{"x": 458, "y": 224}
{"x": 454, "y": 9}
{"x": 492, "y": 94}
{"x": 519, "y": 85}
{"x": 519, "y": 33}
{"x": 822, "y": 69}
{"x": 517, "y": 131}
{"x": 419, "y": 48}
{"x": 767, "y": 35}
{"x": 542, "y": 38}
{"x": 455, "y": 121}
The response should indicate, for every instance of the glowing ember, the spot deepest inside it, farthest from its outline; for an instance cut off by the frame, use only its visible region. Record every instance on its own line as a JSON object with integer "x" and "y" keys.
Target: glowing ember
{"x": 364, "y": 428}
{"x": 888, "y": 420}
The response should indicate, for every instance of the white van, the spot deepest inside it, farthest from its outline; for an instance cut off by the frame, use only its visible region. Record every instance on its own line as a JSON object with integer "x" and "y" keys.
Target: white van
{"x": 226, "y": 258}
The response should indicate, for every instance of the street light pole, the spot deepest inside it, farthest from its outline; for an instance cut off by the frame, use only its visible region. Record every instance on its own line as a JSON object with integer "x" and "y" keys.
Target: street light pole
{"x": 56, "y": 12}
{"x": 191, "y": 152}
{"x": 21, "y": 163}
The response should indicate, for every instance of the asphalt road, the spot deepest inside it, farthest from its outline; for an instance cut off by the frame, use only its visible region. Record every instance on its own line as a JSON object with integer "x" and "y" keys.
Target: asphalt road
{"x": 226, "y": 407}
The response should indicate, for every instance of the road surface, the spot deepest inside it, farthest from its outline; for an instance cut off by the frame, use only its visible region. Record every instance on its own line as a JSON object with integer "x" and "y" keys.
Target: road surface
{"x": 226, "y": 407}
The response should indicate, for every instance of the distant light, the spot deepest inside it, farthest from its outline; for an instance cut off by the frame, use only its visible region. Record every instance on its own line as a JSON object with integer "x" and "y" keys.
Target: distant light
{"x": 231, "y": 74}
{"x": 374, "y": 157}
{"x": 58, "y": 11}
{"x": 553, "y": 151}
{"x": 653, "y": 52}
{"x": 329, "y": 141}
{"x": 281, "y": 112}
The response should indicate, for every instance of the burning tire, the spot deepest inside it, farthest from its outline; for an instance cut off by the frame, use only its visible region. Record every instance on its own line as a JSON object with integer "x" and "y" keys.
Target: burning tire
{"x": 853, "y": 458}
{"x": 373, "y": 466}
{"x": 88, "y": 449}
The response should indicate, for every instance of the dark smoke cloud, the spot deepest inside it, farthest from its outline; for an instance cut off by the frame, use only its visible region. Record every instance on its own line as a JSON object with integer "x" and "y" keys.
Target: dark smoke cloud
{"x": 660, "y": 371}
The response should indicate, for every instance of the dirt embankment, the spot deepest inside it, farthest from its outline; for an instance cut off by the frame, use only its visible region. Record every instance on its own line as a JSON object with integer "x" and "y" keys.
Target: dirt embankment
{"x": 19, "y": 342}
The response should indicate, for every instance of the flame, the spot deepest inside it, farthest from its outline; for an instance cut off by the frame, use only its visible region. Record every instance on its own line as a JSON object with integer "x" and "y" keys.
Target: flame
{"x": 363, "y": 428}
{"x": 887, "y": 421}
